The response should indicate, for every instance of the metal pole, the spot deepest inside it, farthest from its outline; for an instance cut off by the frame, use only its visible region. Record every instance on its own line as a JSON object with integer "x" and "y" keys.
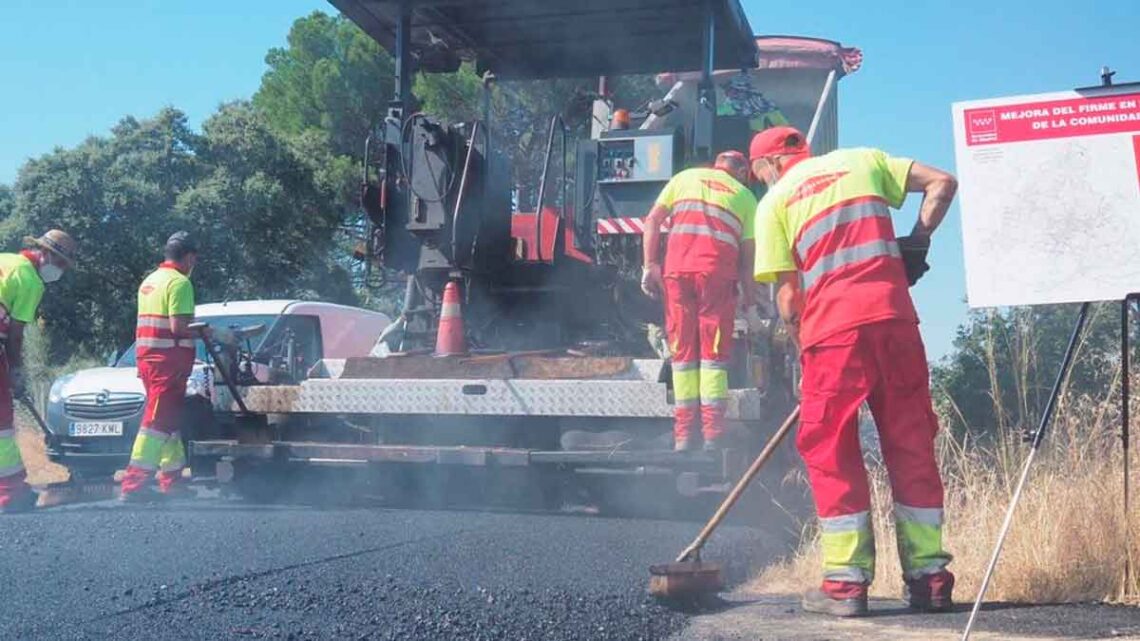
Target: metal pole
{"x": 706, "y": 91}
{"x": 1038, "y": 436}
{"x": 403, "y": 67}
{"x": 827, "y": 88}
{"x": 1125, "y": 398}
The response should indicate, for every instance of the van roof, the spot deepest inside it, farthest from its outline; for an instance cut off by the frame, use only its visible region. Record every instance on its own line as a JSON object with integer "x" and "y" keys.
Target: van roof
{"x": 274, "y": 307}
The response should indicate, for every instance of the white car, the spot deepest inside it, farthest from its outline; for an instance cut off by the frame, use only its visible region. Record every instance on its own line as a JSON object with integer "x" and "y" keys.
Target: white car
{"x": 95, "y": 413}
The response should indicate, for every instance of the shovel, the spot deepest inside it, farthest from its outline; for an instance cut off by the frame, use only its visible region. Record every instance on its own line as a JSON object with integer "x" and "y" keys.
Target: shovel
{"x": 688, "y": 578}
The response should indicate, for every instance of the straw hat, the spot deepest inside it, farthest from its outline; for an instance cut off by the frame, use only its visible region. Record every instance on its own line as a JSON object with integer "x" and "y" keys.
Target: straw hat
{"x": 57, "y": 242}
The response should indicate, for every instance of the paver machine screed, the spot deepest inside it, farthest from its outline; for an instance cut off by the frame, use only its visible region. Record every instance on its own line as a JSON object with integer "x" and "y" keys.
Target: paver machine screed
{"x": 565, "y": 370}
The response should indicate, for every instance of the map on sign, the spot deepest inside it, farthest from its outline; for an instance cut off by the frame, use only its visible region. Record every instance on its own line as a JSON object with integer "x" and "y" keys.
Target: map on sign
{"x": 1050, "y": 197}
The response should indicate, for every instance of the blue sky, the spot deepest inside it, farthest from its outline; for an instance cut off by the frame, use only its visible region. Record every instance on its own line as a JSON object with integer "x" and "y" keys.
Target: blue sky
{"x": 72, "y": 69}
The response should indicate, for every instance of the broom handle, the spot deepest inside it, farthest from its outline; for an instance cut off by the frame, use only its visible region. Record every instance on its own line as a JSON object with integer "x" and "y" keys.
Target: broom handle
{"x": 741, "y": 485}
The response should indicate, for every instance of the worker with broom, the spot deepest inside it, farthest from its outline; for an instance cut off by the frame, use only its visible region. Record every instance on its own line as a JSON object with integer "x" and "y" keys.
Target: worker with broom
{"x": 825, "y": 233}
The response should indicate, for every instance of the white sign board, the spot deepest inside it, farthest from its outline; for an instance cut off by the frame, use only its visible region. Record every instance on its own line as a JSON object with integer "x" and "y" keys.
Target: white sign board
{"x": 1050, "y": 196}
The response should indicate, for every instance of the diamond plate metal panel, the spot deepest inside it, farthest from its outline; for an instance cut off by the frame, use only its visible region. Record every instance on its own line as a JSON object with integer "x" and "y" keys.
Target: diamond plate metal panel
{"x": 577, "y": 398}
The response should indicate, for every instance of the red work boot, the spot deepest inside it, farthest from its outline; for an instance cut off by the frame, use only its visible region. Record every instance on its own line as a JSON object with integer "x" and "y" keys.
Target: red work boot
{"x": 20, "y": 501}
{"x": 930, "y": 593}
{"x": 837, "y": 598}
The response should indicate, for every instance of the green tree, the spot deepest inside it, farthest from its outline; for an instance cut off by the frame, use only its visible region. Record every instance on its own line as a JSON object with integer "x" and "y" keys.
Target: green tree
{"x": 325, "y": 91}
{"x": 269, "y": 224}
{"x": 116, "y": 196}
{"x": 1004, "y": 363}
{"x": 264, "y": 221}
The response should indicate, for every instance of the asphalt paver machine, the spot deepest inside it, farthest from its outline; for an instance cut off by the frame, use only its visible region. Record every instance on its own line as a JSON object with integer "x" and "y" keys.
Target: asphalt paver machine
{"x": 566, "y": 370}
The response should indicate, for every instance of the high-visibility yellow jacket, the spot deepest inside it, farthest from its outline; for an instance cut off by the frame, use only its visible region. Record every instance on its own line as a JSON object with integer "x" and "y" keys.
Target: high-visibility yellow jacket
{"x": 166, "y": 292}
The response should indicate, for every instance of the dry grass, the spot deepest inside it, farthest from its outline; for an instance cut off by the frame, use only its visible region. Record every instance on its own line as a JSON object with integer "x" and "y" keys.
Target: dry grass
{"x": 1068, "y": 541}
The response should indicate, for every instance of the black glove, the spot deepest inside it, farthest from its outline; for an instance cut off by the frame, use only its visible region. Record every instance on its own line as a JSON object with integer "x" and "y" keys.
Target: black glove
{"x": 914, "y": 250}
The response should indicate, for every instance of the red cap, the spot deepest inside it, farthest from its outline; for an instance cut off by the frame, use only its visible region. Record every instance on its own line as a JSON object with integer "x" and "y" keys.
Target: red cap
{"x": 778, "y": 141}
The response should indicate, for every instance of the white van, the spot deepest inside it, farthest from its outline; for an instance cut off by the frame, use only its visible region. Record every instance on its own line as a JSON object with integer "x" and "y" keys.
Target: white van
{"x": 95, "y": 413}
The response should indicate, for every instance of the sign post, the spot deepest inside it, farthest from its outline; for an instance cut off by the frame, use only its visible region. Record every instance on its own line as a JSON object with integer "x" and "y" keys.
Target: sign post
{"x": 1050, "y": 190}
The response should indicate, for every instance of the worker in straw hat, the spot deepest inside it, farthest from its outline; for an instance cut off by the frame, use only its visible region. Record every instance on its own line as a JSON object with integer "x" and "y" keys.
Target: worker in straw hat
{"x": 22, "y": 279}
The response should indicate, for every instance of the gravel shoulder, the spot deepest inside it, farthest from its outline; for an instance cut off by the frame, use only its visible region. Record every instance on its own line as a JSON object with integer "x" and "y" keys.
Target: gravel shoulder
{"x": 749, "y": 616}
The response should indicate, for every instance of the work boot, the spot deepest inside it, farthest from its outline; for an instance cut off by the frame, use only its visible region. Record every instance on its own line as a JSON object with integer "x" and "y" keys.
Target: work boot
{"x": 20, "y": 502}
{"x": 821, "y": 602}
{"x": 930, "y": 593}
{"x": 145, "y": 495}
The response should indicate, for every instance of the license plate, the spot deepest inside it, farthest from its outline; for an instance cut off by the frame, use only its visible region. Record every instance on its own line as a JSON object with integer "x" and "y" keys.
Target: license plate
{"x": 96, "y": 428}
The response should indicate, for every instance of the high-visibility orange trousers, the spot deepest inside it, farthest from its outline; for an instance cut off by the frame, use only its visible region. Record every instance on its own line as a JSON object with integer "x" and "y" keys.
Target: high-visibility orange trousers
{"x": 884, "y": 364}
{"x": 158, "y": 445}
{"x": 700, "y": 310}
{"x": 13, "y": 481}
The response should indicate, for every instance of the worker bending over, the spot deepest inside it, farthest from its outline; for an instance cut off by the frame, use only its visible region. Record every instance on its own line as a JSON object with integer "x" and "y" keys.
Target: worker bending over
{"x": 164, "y": 350}
{"x": 709, "y": 252}
{"x": 22, "y": 278}
{"x": 825, "y": 233}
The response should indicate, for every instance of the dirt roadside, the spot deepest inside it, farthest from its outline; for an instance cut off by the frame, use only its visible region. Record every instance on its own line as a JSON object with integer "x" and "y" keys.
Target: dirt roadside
{"x": 41, "y": 471}
{"x": 750, "y": 616}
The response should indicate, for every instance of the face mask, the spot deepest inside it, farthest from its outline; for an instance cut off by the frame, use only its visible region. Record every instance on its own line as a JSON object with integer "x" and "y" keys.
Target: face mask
{"x": 50, "y": 273}
{"x": 768, "y": 175}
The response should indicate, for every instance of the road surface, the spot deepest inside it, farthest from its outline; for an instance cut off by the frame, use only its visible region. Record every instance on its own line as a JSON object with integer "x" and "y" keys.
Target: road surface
{"x": 223, "y": 569}
{"x": 213, "y": 569}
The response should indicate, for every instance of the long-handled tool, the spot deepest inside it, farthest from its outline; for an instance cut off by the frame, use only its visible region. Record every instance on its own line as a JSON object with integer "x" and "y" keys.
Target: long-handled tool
{"x": 215, "y": 352}
{"x": 688, "y": 577}
{"x": 49, "y": 437}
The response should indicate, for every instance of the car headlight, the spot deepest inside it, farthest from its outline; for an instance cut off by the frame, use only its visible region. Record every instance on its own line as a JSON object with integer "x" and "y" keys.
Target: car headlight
{"x": 55, "y": 394}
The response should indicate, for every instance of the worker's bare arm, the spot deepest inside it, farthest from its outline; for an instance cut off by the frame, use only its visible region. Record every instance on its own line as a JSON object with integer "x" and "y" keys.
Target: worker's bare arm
{"x": 180, "y": 326}
{"x": 651, "y": 282}
{"x": 790, "y": 302}
{"x": 651, "y": 237}
{"x": 938, "y": 189}
{"x": 747, "y": 283}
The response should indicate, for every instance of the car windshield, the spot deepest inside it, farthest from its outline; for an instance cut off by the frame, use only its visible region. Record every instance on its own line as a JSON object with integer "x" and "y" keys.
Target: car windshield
{"x": 233, "y": 322}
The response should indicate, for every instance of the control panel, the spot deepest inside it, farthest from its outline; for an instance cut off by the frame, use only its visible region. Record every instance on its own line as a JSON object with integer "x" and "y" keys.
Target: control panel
{"x": 636, "y": 158}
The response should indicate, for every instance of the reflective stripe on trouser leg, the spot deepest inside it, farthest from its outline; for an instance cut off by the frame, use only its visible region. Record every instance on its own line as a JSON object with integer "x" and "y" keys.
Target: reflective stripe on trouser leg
{"x": 848, "y": 544}
{"x": 145, "y": 457}
{"x": 12, "y": 478}
{"x": 682, "y": 330}
{"x": 171, "y": 461}
{"x": 10, "y": 462}
{"x": 686, "y": 397}
{"x": 919, "y": 532}
{"x": 714, "y": 397}
{"x": 716, "y": 316}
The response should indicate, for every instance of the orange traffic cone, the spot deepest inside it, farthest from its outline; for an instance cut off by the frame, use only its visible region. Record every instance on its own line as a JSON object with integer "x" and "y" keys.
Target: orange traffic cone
{"x": 449, "y": 341}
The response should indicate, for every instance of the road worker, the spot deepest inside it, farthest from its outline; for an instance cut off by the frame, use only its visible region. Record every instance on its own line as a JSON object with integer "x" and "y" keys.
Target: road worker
{"x": 22, "y": 279}
{"x": 164, "y": 349}
{"x": 708, "y": 254}
{"x": 843, "y": 277}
